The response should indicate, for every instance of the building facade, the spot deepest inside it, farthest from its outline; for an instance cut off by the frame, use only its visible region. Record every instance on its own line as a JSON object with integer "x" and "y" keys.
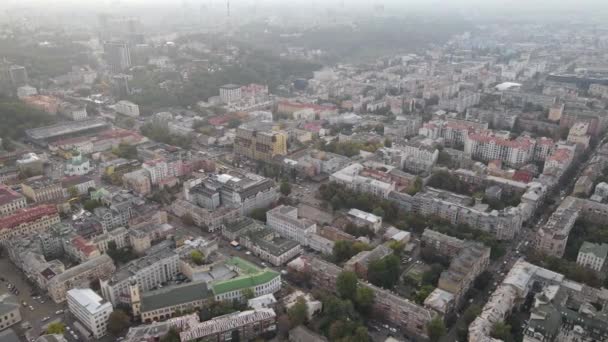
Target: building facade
{"x": 90, "y": 310}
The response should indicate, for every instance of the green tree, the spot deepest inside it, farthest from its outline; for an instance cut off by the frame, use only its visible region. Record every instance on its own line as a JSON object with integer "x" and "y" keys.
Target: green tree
{"x": 73, "y": 191}
{"x": 424, "y": 292}
{"x": 298, "y": 313}
{"x": 397, "y": 247}
{"x": 285, "y": 187}
{"x": 55, "y": 328}
{"x": 502, "y": 331}
{"x": 259, "y": 214}
{"x": 471, "y": 313}
{"x": 346, "y": 284}
{"x": 378, "y": 211}
{"x": 248, "y": 293}
{"x": 118, "y": 322}
{"x": 436, "y": 329}
{"x": 197, "y": 257}
{"x": 361, "y": 335}
{"x": 90, "y": 204}
{"x": 388, "y": 143}
{"x": 384, "y": 272}
{"x": 364, "y": 299}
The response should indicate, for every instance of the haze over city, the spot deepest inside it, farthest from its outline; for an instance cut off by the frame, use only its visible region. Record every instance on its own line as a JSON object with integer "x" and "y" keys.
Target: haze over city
{"x": 341, "y": 170}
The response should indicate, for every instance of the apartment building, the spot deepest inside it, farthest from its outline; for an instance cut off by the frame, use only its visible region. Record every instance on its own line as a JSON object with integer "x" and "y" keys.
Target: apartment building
{"x": 592, "y": 255}
{"x": 284, "y": 220}
{"x": 473, "y": 259}
{"x": 127, "y": 108}
{"x": 90, "y": 310}
{"x": 398, "y": 311}
{"x": 159, "y": 265}
{"x": 552, "y": 238}
{"x": 356, "y": 177}
{"x": 360, "y": 262}
{"x": 443, "y": 244}
{"x": 461, "y": 102}
{"x": 259, "y": 145}
{"x": 28, "y": 221}
{"x": 203, "y": 217}
{"x": 249, "y": 324}
{"x": 230, "y": 93}
{"x": 10, "y": 201}
{"x": 138, "y": 181}
{"x": 42, "y": 189}
{"x": 83, "y": 274}
{"x": 269, "y": 246}
{"x": 364, "y": 219}
{"x": 418, "y": 156}
{"x": 497, "y": 146}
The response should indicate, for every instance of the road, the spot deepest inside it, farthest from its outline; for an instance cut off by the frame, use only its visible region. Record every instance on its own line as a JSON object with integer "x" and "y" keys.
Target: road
{"x": 502, "y": 265}
{"x": 43, "y": 307}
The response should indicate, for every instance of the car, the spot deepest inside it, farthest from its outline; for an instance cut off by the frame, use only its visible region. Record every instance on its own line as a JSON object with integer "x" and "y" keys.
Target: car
{"x": 31, "y": 308}
{"x": 46, "y": 319}
{"x": 248, "y": 253}
{"x": 263, "y": 264}
{"x": 58, "y": 312}
{"x": 24, "y": 303}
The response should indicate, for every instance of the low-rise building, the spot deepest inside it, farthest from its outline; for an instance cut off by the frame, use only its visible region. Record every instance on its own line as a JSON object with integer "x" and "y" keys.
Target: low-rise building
{"x": 81, "y": 275}
{"x": 284, "y": 220}
{"x": 362, "y": 219}
{"x": 164, "y": 303}
{"x": 42, "y": 189}
{"x": 249, "y": 324}
{"x": 270, "y": 246}
{"x": 10, "y": 313}
{"x": 360, "y": 262}
{"x": 592, "y": 255}
{"x": 90, "y": 310}
{"x": 10, "y": 200}
{"x": 27, "y": 222}
{"x": 127, "y": 108}
{"x": 260, "y": 281}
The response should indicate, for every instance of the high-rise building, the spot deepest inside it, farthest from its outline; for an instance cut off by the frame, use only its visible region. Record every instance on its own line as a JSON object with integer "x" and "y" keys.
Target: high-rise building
{"x": 117, "y": 55}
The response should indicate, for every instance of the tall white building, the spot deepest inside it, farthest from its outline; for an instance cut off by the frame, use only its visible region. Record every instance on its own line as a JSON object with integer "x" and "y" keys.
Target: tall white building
{"x": 158, "y": 170}
{"x": 230, "y": 93}
{"x": 90, "y": 309}
{"x": 127, "y": 108}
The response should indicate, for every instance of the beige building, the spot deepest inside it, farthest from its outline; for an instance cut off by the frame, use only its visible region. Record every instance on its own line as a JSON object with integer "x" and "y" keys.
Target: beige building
{"x": 80, "y": 275}
{"x": 464, "y": 268}
{"x": 42, "y": 189}
{"x": 9, "y": 311}
{"x": 258, "y": 145}
{"x": 10, "y": 201}
{"x": 28, "y": 221}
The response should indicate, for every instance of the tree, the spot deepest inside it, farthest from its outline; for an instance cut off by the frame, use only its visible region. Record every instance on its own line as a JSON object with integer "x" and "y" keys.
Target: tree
{"x": 197, "y": 257}
{"x": 424, "y": 292}
{"x": 435, "y": 329}
{"x": 248, "y": 293}
{"x": 298, "y": 313}
{"x": 259, "y": 214}
{"x": 364, "y": 299}
{"x": 55, "y": 328}
{"x": 346, "y": 284}
{"x": 90, "y": 204}
{"x": 188, "y": 220}
{"x": 172, "y": 336}
{"x": 361, "y": 335}
{"x": 118, "y": 322}
{"x": 501, "y": 331}
{"x": 471, "y": 313}
{"x": 397, "y": 247}
{"x": 285, "y": 187}
{"x": 388, "y": 143}
{"x": 384, "y": 272}
{"x": 73, "y": 191}
{"x": 378, "y": 211}
{"x": 432, "y": 276}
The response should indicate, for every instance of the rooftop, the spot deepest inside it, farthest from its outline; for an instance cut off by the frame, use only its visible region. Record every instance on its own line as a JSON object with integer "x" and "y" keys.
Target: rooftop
{"x": 174, "y": 295}
{"x": 8, "y": 195}
{"x": 89, "y": 300}
{"x": 599, "y": 250}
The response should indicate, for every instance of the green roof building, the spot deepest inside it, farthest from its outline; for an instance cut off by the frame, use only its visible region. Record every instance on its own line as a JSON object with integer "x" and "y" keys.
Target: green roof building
{"x": 260, "y": 281}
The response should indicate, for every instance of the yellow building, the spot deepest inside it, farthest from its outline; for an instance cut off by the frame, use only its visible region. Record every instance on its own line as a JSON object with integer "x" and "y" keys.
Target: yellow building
{"x": 258, "y": 145}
